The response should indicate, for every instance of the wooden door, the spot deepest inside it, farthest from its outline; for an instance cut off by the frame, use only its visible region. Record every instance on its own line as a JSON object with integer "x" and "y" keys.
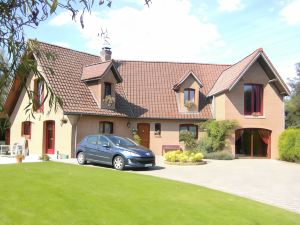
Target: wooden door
{"x": 50, "y": 137}
{"x": 143, "y": 130}
{"x": 7, "y": 136}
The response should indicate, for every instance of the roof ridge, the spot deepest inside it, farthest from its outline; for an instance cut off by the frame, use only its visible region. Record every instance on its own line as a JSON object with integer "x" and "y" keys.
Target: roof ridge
{"x": 71, "y": 49}
{"x": 93, "y": 64}
{"x": 174, "y": 62}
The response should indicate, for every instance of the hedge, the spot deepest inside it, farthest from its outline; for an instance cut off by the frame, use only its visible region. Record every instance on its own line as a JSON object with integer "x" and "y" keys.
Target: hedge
{"x": 289, "y": 145}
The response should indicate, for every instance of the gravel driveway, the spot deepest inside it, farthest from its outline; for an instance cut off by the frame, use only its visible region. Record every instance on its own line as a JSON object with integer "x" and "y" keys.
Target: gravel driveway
{"x": 269, "y": 181}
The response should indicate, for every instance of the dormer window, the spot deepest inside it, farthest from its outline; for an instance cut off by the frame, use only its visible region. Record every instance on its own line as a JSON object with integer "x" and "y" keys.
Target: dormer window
{"x": 107, "y": 89}
{"x": 253, "y": 99}
{"x": 189, "y": 95}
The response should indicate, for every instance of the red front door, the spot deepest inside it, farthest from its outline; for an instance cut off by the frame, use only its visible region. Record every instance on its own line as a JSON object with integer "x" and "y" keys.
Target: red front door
{"x": 50, "y": 137}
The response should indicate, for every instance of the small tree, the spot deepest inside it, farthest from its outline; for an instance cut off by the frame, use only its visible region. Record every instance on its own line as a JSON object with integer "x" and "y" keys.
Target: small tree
{"x": 292, "y": 106}
{"x": 217, "y": 132}
{"x": 188, "y": 138}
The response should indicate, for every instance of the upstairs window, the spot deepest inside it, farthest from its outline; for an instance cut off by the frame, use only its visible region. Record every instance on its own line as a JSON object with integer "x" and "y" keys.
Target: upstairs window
{"x": 107, "y": 89}
{"x": 189, "y": 95}
{"x": 106, "y": 128}
{"x": 253, "y": 99}
{"x": 39, "y": 95}
{"x": 26, "y": 129}
{"x": 189, "y": 127}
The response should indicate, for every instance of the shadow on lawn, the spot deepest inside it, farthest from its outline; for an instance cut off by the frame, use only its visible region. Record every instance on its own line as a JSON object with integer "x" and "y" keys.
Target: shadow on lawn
{"x": 127, "y": 169}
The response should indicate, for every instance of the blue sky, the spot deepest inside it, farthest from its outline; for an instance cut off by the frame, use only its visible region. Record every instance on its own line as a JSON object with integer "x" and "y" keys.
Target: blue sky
{"x": 207, "y": 31}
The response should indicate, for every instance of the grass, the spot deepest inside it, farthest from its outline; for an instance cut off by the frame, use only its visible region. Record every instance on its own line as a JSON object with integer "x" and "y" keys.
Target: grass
{"x": 56, "y": 193}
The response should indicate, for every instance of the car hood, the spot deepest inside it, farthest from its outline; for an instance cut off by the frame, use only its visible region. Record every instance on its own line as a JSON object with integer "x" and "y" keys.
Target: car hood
{"x": 139, "y": 150}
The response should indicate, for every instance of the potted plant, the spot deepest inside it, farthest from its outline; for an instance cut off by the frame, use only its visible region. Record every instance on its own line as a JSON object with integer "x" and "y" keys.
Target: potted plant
{"x": 19, "y": 158}
{"x": 189, "y": 105}
{"x": 109, "y": 100}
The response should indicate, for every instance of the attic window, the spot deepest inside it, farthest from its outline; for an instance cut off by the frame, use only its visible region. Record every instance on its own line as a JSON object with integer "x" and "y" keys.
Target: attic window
{"x": 39, "y": 95}
{"x": 107, "y": 89}
{"x": 189, "y": 95}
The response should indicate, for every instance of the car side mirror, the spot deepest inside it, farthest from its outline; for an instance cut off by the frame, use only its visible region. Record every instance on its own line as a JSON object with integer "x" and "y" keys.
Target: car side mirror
{"x": 106, "y": 145}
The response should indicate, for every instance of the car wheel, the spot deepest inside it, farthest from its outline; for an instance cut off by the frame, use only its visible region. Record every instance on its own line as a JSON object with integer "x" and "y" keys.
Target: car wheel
{"x": 119, "y": 163}
{"x": 81, "y": 158}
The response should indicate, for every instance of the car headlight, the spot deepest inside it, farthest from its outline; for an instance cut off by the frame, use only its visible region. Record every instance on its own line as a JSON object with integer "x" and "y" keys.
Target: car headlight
{"x": 128, "y": 153}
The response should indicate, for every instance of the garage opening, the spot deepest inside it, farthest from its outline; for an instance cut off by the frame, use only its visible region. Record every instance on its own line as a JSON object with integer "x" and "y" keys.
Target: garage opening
{"x": 253, "y": 142}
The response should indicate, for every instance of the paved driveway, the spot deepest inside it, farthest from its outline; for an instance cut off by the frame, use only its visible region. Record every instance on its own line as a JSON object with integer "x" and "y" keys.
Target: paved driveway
{"x": 269, "y": 181}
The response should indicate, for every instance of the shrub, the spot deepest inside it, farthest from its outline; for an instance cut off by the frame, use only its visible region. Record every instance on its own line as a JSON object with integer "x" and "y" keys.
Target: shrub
{"x": 137, "y": 138}
{"x": 220, "y": 155}
{"x": 188, "y": 138}
{"x": 217, "y": 132}
{"x": 289, "y": 145}
{"x": 183, "y": 156}
{"x": 44, "y": 157}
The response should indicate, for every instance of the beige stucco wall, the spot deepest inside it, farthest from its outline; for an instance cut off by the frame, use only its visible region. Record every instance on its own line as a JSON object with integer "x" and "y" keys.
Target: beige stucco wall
{"x": 273, "y": 107}
{"x": 190, "y": 82}
{"x": 219, "y": 107}
{"x": 36, "y": 144}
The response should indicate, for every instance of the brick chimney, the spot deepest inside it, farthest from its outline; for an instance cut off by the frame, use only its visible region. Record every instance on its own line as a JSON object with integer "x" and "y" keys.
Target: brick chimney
{"x": 105, "y": 54}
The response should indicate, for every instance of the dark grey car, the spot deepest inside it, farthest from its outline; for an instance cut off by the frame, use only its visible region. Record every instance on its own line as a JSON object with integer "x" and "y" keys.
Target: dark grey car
{"x": 120, "y": 152}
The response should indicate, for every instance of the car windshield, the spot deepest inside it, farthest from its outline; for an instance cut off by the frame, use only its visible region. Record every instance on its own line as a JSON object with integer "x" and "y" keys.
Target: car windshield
{"x": 119, "y": 141}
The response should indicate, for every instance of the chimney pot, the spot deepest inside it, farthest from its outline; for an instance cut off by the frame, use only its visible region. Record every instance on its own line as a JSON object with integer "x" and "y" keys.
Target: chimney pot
{"x": 105, "y": 54}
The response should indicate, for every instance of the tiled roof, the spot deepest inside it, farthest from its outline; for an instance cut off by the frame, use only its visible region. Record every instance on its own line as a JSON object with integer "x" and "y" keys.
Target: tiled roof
{"x": 146, "y": 90}
{"x": 231, "y": 75}
{"x": 149, "y": 87}
{"x": 66, "y": 82}
{"x": 98, "y": 70}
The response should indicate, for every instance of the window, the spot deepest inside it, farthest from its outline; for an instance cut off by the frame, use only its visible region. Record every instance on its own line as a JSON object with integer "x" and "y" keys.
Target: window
{"x": 39, "y": 95}
{"x": 189, "y": 95}
{"x": 103, "y": 141}
{"x": 26, "y": 129}
{"x": 189, "y": 127}
{"x": 253, "y": 99}
{"x": 92, "y": 140}
{"x": 106, "y": 127}
{"x": 107, "y": 89}
{"x": 157, "y": 129}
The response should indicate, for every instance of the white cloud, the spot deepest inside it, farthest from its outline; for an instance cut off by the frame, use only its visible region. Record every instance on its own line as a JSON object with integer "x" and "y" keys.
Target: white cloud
{"x": 229, "y": 5}
{"x": 165, "y": 31}
{"x": 291, "y": 12}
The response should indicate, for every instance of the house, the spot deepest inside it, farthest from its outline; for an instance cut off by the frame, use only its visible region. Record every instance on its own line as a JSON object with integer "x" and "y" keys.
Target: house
{"x": 158, "y": 99}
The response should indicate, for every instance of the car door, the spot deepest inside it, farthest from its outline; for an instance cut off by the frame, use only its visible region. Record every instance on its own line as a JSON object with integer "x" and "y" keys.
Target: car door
{"x": 105, "y": 149}
{"x": 91, "y": 148}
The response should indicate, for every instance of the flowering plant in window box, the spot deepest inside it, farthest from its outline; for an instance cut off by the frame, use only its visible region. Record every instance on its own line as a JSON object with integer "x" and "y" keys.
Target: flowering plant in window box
{"x": 189, "y": 105}
{"x": 109, "y": 100}
{"x": 256, "y": 114}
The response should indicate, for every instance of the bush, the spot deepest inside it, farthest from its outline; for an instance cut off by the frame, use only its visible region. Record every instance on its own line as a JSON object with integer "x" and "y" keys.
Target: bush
{"x": 183, "y": 156}
{"x": 220, "y": 155}
{"x": 44, "y": 157}
{"x": 217, "y": 132}
{"x": 289, "y": 145}
{"x": 188, "y": 138}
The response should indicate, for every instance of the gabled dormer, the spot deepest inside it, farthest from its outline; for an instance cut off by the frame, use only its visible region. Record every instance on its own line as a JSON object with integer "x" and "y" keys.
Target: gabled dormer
{"x": 101, "y": 79}
{"x": 188, "y": 90}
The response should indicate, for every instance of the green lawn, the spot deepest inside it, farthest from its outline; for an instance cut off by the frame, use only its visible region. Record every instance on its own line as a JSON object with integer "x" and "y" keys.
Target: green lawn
{"x": 55, "y": 193}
